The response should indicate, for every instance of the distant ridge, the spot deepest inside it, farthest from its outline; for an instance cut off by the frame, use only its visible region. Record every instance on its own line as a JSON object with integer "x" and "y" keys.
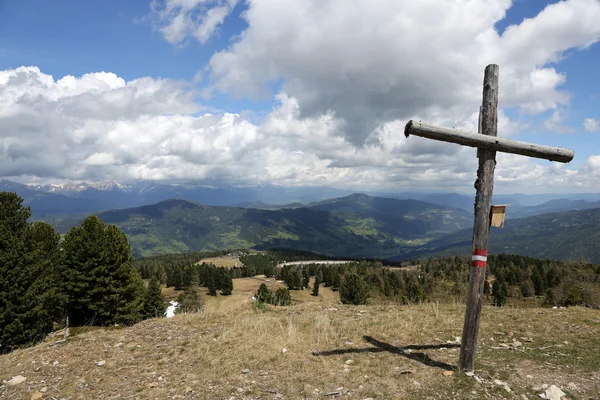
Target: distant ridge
{"x": 356, "y": 225}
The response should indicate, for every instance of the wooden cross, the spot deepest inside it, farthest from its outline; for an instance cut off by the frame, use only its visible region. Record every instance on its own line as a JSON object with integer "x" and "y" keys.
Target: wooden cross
{"x": 487, "y": 144}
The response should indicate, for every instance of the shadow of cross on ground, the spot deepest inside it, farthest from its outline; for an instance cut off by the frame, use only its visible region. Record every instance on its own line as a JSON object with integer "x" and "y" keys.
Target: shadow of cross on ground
{"x": 405, "y": 351}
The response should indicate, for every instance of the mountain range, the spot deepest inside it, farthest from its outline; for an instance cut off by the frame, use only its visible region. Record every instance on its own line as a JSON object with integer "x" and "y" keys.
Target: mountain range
{"x": 355, "y": 225}
{"x": 73, "y": 198}
{"x": 163, "y": 219}
{"x": 568, "y": 236}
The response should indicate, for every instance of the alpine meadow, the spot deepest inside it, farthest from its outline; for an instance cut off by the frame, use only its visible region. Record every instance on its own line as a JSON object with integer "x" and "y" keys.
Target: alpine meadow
{"x": 257, "y": 199}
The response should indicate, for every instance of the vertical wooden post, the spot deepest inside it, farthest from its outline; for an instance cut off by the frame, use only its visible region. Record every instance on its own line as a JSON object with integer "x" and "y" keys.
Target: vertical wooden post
{"x": 484, "y": 186}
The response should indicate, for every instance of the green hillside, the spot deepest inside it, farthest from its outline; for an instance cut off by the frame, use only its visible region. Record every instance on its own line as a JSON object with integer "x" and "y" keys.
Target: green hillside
{"x": 561, "y": 236}
{"x": 356, "y": 225}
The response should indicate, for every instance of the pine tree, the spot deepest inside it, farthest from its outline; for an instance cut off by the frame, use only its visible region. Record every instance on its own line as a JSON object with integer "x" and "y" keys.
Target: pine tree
{"x": 29, "y": 299}
{"x": 353, "y": 290}
{"x": 102, "y": 286}
{"x": 305, "y": 278}
{"x": 189, "y": 301}
{"x": 315, "y": 291}
{"x": 127, "y": 281}
{"x": 264, "y": 294}
{"x": 527, "y": 288}
{"x": 212, "y": 282}
{"x": 281, "y": 297}
{"x": 298, "y": 279}
{"x": 227, "y": 284}
{"x": 154, "y": 302}
{"x": 538, "y": 282}
{"x": 499, "y": 292}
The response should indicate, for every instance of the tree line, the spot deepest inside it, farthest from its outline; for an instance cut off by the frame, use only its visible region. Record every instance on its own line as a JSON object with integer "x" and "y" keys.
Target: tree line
{"x": 87, "y": 277}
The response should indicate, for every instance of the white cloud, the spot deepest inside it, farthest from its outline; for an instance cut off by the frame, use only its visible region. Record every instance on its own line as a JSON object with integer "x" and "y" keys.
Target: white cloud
{"x": 556, "y": 122}
{"x": 352, "y": 76}
{"x": 177, "y": 20}
{"x": 57, "y": 130}
{"x": 371, "y": 63}
{"x": 591, "y": 124}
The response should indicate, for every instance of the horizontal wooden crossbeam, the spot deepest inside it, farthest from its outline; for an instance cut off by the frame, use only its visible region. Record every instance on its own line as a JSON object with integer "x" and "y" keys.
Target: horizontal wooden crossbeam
{"x": 488, "y": 142}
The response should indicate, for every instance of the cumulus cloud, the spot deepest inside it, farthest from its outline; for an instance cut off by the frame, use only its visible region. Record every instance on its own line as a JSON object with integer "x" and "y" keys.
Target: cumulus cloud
{"x": 370, "y": 63}
{"x": 591, "y": 124}
{"x": 556, "y": 122}
{"x": 351, "y": 76}
{"x": 59, "y": 130}
{"x": 178, "y": 20}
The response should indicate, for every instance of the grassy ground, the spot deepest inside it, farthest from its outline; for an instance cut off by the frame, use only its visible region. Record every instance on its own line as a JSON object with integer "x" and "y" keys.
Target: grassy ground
{"x": 331, "y": 350}
{"x": 245, "y": 288}
{"x": 223, "y": 261}
{"x": 382, "y": 352}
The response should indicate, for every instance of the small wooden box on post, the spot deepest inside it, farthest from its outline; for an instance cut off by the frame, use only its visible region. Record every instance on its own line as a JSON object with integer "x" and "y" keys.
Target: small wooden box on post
{"x": 488, "y": 144}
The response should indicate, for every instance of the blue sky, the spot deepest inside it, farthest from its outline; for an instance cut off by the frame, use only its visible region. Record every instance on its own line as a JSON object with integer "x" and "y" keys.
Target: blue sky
{"x": 71, "y": 37}
{"x": 225, "y": 74}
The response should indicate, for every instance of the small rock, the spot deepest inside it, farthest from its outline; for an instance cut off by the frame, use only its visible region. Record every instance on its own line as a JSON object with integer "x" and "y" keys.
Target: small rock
{"x": 348, "y": 362}
{"x": 346, "y": 370}
{"x": 44, "y": 389}
{"x": 478, "y": 379}
{"x": 188, "y": 389}
{"x": 37, "y": 396}
{"x": 554, "y": 393}
{"x": 101, "y": 363}
{"x": 529, "y": 376}
{"x": 118, "y": 345}
{"x": 240, "y": 390}
{"x": 469, "y": 373}
{"x": 15, "y": 380}
{"x": 523, "y": 397}
{"x": 572, "y": 386}
{"x": 448, "y": 373}
{"x": 55, "y": 363}
{"x": 284, "y": 350}
{"x": 245, "y": 371}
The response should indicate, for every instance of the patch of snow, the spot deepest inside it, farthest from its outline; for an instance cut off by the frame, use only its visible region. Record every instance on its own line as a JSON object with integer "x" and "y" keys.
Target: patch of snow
{"x": 171, "y": 309}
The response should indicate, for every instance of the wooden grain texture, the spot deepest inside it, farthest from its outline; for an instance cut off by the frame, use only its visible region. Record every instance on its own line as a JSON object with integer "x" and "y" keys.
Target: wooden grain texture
{"x": 484, "y": 186}
{"x": 488, "y": 142}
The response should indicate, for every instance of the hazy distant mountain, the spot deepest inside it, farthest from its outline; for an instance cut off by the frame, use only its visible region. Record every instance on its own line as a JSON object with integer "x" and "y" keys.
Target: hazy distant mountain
{"x": 558, "y": 205}
{"x": 265, "y": 206}
{"x": 93, "y": 197}
{"x": 356, "y": 225}
{"x": 562, "y": 236}
{"x": 43, "y": 203}
{"x": 111, "y": 195}
{"x": 521, "y": 205}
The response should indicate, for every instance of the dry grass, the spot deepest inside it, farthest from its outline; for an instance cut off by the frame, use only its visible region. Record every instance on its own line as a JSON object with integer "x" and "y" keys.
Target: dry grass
{"x": 245, "y": 288}
{"x": 223, "y": 261}
{"x": 201, "y": 356}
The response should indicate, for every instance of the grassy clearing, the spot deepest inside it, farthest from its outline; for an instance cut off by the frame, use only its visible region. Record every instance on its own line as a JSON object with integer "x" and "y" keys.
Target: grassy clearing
{"x": 223, "y": 261}
{"x": 245, "y": 288}
{"x": 360, "y": 352}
